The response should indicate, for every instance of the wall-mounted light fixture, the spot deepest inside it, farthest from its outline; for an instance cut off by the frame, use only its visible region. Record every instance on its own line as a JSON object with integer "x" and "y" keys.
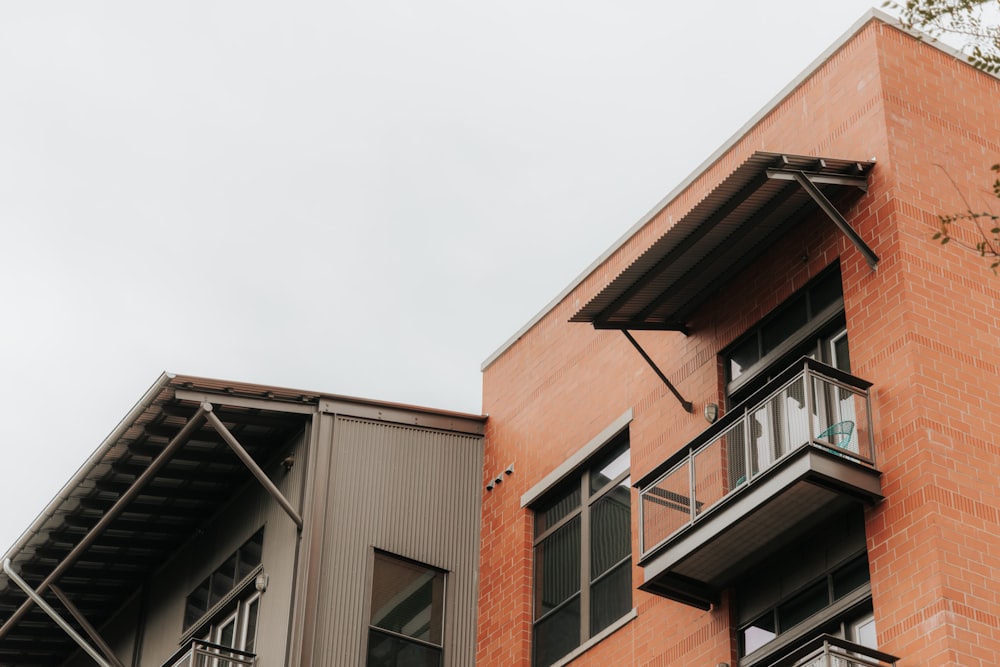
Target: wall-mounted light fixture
{"x": 711, "y": 412}
{"x": 492, "y": 484}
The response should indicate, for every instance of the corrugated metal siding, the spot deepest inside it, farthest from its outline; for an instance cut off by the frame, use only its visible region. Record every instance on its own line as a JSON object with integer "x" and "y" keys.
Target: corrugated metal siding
{"x": 410, "y": 491}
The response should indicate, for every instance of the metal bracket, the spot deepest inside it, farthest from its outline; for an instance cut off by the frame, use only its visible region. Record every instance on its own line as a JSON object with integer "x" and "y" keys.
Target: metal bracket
{"x": 687, "y": 405}
{"x": 808, "y": 182}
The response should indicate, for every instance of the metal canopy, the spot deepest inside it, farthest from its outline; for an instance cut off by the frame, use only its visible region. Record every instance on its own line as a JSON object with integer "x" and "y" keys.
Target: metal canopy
{"x": 722, "y": 234}
{"x": 98, "y": 571}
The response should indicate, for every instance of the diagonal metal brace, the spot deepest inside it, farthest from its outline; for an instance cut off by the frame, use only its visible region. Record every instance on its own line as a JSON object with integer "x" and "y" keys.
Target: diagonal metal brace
{"x": 248, "y": 461}
{"x": 685, "y": 404}
{"x": 53, "y": 614}
{"x": 808, "y": 184}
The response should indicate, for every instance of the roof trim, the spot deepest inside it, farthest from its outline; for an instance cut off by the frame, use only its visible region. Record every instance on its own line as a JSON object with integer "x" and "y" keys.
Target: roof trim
{"x": 861, "y": 23}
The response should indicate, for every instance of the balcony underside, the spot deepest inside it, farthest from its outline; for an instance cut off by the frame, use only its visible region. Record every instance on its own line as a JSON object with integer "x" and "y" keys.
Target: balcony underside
{"x": 702, "y": 559}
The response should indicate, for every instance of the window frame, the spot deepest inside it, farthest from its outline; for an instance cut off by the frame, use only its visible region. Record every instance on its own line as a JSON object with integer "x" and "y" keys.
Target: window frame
{"x": 233, "y": 597}
{"x": 579, "y": 480}
{"x": 370, "y": 627}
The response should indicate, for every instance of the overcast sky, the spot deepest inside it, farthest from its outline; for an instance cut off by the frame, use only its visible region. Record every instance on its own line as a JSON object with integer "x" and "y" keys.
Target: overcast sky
{"x": 356, "y": 198}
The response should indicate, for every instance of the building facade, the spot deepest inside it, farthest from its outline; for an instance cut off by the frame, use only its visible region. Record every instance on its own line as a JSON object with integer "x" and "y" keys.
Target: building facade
{"x": 233, "y": 524}
{"x": 760, "y": 430}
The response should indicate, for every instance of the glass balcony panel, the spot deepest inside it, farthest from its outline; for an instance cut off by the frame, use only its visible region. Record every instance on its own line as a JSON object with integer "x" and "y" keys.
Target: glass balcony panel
{"x": 832, "y": 414}
{"x": 666, "y": 506}
{"x": 710, "y": 478}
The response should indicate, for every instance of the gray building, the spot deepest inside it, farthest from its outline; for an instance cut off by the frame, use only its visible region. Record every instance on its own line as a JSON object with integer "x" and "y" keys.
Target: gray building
{"x": 228, "y": 524}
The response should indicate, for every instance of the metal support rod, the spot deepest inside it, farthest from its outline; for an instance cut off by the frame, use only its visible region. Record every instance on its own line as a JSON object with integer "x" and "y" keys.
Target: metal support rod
{"x": 839, "y": 220}
{"x": 261, "y": 476}
{"x": 196, "y": 420}
{"x": 78, "y": 616}
{"x": 44, "y": 606}
{"x": 685, "y": 404}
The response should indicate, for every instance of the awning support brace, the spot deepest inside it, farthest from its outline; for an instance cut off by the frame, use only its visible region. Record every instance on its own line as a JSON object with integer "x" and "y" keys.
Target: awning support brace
{"x": 87, "y": 627}
{"x": 179, "y": 440}
{"x": 685, "y": 404}
{"x": 53, "y": 614}
{"x": 807, "y": 183}
{"x": 248, "y": 461}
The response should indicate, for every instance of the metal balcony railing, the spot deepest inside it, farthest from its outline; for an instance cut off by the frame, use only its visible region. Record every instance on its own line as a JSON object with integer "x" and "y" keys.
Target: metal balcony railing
{"x": 809, "y": 404}
{"x": 198, "y": 653}
{"x": 830, "y": 651}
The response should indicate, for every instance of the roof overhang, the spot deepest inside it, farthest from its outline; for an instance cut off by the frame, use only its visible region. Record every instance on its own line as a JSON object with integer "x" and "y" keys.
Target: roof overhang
{"x": 182, "y": 453}
{"x": 756, "y": 204}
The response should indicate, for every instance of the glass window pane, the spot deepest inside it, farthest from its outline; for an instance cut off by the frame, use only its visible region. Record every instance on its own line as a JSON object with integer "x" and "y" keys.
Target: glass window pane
{"x": 610, "y": 530}
{"x": 564, "y": 502}
{"x": 786, "y": 322}
{"x": 825, "y": 293}
{"x": 557, "y": 567}
{"x": 407, "y": 599}
{"x": 609, "y": 467}
{"x": 223, "y": 580}
{"x": 557, "y": 634}
{"x": 850, "y": 577}
{"x": 389, "y": 651}
{"x": 611, "y": 597}
{"x": 802, "y": 606}
{"x": 250, "y": 636}
{"x": 758, "y": 633}
{"x": 743, "y": 356}
{"x": 197, "y": 603}
{"x": 250, "y": 555}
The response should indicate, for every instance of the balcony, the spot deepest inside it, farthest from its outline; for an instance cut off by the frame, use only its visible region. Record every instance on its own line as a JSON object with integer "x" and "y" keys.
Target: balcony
{"x": 830, "y": 651}
{"x": 199, "y": 653}
{"x": 793, "y": 453}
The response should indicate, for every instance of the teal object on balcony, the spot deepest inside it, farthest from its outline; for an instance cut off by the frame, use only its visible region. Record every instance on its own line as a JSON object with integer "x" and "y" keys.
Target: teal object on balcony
{"x": 839, "y": 434}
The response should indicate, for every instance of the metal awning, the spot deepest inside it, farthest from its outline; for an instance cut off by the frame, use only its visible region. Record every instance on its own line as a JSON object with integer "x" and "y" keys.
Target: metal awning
{"x": 722, "y": 234}
{"x": 167, "y": 499}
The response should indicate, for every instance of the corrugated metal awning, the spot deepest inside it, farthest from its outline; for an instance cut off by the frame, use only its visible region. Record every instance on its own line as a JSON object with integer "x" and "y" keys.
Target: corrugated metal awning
{"x": 744, "y": 214}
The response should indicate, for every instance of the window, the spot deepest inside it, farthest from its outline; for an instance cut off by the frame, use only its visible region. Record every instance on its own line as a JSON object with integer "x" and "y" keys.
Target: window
{"x": 790, "y": 331}
{"x": 237, "y": 628}
{"x": 583, "y": 554}
{"x": 817, "y": 584}
{"x": 215, "y": 592}
{"x": 407, "y": 614}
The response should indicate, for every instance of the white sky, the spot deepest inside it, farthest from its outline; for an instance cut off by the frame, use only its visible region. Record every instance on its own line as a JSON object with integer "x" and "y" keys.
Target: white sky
{"x": 363, "y": 198}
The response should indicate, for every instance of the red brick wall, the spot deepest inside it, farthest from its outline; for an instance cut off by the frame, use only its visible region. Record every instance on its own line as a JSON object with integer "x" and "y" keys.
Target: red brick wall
{"x": 924, "y": 327}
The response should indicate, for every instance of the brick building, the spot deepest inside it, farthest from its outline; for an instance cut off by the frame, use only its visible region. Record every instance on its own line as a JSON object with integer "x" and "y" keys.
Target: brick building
{"x": 766, "y": 415}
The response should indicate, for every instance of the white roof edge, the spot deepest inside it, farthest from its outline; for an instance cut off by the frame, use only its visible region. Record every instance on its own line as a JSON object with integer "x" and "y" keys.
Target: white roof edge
{"x": 870, "y": 15}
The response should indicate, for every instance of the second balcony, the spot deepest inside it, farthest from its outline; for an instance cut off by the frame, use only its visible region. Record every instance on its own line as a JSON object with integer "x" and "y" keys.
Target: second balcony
{"x": 792, "y": 454}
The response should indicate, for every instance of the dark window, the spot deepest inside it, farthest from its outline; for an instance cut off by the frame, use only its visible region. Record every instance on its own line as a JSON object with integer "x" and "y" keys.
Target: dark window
{"x": 796, "y": 608}
{"x": 583, "y": 555}
{"x": 407, "y": 614}
{"x": 788, "y": 332}
{"x": 224, "y": 579}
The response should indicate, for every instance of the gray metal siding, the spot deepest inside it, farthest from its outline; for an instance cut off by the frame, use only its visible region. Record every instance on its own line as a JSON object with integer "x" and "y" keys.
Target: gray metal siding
{"x": 409, "y": 491}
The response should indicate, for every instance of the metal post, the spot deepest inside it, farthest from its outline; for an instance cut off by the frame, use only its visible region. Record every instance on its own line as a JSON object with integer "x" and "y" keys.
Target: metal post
{"x": 168, "y": 452}
{"x": 44, "y": 606}
{"x": 656, "y": 369}
{"x": 747, "y": 433}
{"x": 691, "y": 482}
{"x": 248, "y": 461}
{"x": 810, "y": 400}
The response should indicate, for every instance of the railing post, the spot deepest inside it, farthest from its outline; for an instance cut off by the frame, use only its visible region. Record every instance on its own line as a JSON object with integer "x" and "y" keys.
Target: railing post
{"x": 810, "y": 401}
{"x": 691, "y": 483}
{"x": 746, "y": 444}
